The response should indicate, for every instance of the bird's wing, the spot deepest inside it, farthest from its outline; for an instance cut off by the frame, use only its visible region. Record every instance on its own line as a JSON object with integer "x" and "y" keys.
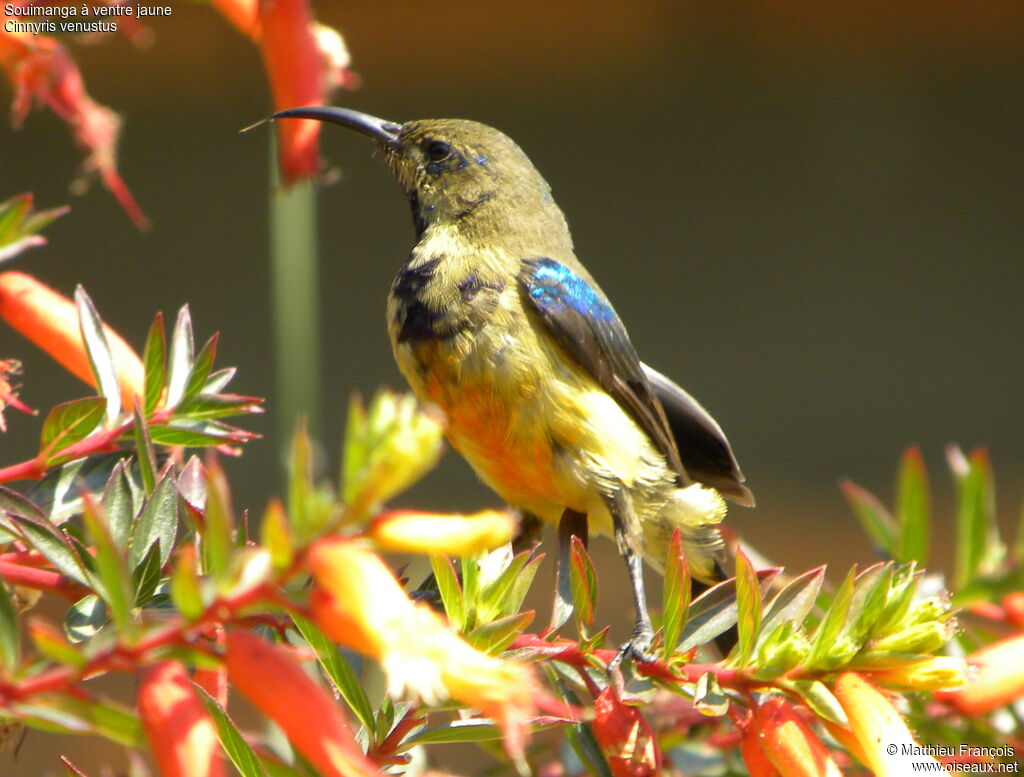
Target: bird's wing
{"x": 581, "y": 320}
{"x": 703, "y": 448}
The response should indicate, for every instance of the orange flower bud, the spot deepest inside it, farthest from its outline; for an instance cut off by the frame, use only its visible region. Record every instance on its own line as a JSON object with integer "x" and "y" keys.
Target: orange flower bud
{"x": 181, "y": 733}
{"x": 409, "y": 531}
{"x": 998, "y": 678}
{"x": 273, "y": 680}
{"x": 625, "y": 737}
{"x": 789, "y": 743}
{"x": 50, "y": 321}
{"x": 878, "y": 727}
{"x": 360, "y": 604}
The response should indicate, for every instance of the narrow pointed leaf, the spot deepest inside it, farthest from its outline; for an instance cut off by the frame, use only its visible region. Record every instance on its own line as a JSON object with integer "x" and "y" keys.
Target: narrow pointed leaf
{"x": 118, "y": 504}
{"x": 144, "y": 452}
{"x": 497, "y": 635}
{"x": 676, "y": 594}
{"x": 874, "y": 518}
{"x": 978, "y": 547}
{"x": 795, "y": 601}
{"x": 505, "y": 594}
{"x": 834, "y": 622}
{"x": 450, "y": 590}
{"x": 100, "y": 360}
{"x": 52, "y": 543}
{"x": 118, "y": 591}
{"x": 234, "y": 744}
{"x": 748, "y": 599}
{"x": 181, "y": 358}
{"x": 186, "y": 593}
{"x": 715, "y": 611}
{"x": 913, "y": 509}
{"x": 582, "y": 582}
{"x": 158, "y": 523}
{"x": 154, "y": 358}
{"x": 201, "y": 368}
{"x": 9, "y": 636}
{"x": 338, "y": 670}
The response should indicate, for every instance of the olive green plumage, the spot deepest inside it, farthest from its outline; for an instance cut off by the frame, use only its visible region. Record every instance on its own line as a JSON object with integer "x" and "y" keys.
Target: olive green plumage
{"x": 495, "y": 321}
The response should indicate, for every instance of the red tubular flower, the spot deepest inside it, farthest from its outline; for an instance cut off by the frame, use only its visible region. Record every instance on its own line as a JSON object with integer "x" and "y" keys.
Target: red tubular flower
{"x": 273, "y": 680}
{"x": 181, "y": 733}
{"x": 49, "y": 320}
{"x": 304, "y": 60}
{"x": 40, "y": 67}
{"x": 359, "y": 604}
{"x": 293, "y": 65}
{"x": 753, "y": 755}
{"x": 881, "y": 733}
{"x": 789, "y": 743}
{"x": 998, "y": 679}
{"x": 625, "y": 737}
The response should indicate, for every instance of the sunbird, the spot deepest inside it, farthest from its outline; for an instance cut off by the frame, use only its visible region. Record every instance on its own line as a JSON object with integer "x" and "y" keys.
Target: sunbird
{"x": 494, "y": 320}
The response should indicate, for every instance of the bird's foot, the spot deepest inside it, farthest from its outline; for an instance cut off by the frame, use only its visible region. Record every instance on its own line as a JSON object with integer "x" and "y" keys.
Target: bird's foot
{"x": 637, "y": 648}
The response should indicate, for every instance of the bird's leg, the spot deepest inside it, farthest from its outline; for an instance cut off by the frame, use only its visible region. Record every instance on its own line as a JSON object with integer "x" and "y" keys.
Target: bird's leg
{"x": 572, "y": 524}
{"x": 638, "y": 647}
{"x": 530, "y": 529}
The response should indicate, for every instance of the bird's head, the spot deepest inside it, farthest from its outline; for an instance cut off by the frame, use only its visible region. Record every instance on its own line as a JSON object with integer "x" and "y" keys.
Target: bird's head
{"x": 455, "y": 172}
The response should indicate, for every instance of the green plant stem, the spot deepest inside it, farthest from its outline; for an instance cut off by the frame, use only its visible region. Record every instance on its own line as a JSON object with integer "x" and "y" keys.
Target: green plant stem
{"x": 295, "y": 304}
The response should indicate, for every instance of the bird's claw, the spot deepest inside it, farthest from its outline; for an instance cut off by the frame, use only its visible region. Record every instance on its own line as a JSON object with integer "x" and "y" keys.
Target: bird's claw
{"x": 638, "y": 648}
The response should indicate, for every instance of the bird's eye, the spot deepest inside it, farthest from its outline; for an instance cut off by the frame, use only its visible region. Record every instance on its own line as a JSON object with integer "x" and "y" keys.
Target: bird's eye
{"x": 438, "y": 150}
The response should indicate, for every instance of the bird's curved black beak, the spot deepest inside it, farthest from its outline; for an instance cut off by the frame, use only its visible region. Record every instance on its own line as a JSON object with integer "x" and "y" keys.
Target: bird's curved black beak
{"x": 383, "y": 131}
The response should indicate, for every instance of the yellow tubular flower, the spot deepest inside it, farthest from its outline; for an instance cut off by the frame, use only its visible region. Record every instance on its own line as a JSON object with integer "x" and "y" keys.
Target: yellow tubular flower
{"x": 409, "y": 531}
{"x": 927, "y": 674}
{"x": 880, "y": 730}
{"x": 359, "y": 604}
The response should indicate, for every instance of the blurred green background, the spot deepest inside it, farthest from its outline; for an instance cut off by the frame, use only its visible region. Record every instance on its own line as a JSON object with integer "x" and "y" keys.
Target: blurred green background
{"x": 810, "y": 214}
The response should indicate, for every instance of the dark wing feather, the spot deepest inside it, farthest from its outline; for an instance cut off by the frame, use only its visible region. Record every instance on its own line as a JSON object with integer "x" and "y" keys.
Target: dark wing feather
{"x": 703, "y": 448}
{"x": 581, "y": 320}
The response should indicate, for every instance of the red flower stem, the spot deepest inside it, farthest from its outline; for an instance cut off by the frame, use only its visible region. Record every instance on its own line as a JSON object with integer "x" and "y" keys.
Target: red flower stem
{"x": 386, "y": 748}
{"x": 41, "y": 580}
{"x": 102, "y": 441}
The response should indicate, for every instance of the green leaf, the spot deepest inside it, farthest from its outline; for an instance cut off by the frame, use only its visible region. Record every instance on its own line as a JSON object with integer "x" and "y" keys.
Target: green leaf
{"x": 497, "y": 635}
{"x": 206, "y": 406}
{"x": 505, "y": 594}
{"x": 979, "y": 550}
{"x": 715, "y": 611}
{"x": 118, "y": 504}
{"x": 181, "y": 358}
{"x": 821, "y": 701}
{"x": 834, "y": 622}
{"x": 118, "y": 591}
{"x": 51, "y": 542}
{"x": 188, "y": 433}
{"x": 795, "y": 601}
{"x": 158, "y": 523}
{"x": 870, "y": 589}
{"x": 201, "y": 368}
{"x": 154, "y": 357}
{"x": 18, "y": 225}
{"x": 876, "y": 520}
{"x": 144, "y": 451}
{"x": 9, "y": 635}
{"x": 66, "y": 713}
{"x": 338, "y": 669}
{"x": 68, "y": 423}
{"x": 748, "y": 600}
{"x": 708, "y": 697}
{"x": 100, "y": 360}
{"x": 276, "y": 535}
{"x": 582, "y": 583}
{"x": 218, "y": 523}
{"x": 54, "y": 645}
{"x": 147, "y": 576}
{"x": 913, "y": 509}
{"x": 234, "y": 744}
{"x": 677, "y": 593}
{"x": 186, "y": 593}
{"x": 450, "y": 590}
{"x": 85, "y": 618}
{"x": 218, "y": 380}
{"x": 470, "y": 730}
